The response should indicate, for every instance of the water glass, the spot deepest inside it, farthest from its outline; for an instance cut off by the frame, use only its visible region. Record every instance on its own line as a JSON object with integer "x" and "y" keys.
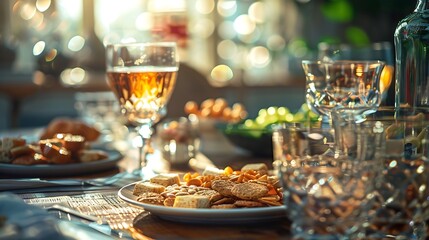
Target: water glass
{"x": 328, "y": 196}
{"x": 101, "y": 110}
{"x": 300, "y": 139}
{"x": 178, "y": 140}
{"x": 352, "y": 86}
{"x": 401, "y": 209}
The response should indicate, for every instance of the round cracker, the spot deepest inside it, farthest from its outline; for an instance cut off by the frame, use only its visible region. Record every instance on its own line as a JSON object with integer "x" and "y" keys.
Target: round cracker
{"x": 223, "y": 187}
{"x": 249, "y": 190}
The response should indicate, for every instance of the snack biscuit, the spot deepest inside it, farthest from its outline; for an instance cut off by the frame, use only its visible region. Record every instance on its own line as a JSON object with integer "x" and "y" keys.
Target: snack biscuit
{"x": 249, "y": 190}
{"x": 223, "y": 187}
{"x": 166, "y": 179}
{"x": 248, "y": 203}
{"x": 192, "y": 201}
{"x": 143, "y": 187}
{"x": 261, "y": 168}
{"x": 207, "y": 192}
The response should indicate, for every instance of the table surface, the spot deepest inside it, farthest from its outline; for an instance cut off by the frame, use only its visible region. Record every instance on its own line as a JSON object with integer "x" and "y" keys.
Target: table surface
{"x": 103, "y": 202}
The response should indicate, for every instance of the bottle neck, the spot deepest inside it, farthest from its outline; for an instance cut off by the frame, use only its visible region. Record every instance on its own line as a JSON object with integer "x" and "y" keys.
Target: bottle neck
{"x": 422, "y": 5}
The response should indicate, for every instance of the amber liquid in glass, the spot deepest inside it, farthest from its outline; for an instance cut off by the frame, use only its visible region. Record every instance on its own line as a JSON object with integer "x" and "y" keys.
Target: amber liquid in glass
{"x": 142, "y": 92}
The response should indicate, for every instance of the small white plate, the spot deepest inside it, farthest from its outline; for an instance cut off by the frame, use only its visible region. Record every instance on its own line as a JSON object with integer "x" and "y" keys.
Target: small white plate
{"x": 206, "y": 216}
{"x": 62, "y": 170}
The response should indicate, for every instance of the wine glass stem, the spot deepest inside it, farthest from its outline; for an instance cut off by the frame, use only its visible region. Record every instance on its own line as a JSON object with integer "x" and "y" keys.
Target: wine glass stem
{"x": 145, "y": 132}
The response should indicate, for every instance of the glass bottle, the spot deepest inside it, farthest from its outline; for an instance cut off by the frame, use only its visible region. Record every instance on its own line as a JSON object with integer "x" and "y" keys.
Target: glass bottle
{"x": 412, "y": 58}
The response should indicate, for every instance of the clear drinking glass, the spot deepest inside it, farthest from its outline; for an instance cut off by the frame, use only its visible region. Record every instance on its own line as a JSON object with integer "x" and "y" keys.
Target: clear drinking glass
{"x": 142, "y": 76}
{"x": 300, "y": 139}
{"x": 178, "y": 140}
{"x": 328, "y": 196}
{"x": 381, "y": 51}
{"x": 401, "y": 209}
{"x": 352, "y": 87}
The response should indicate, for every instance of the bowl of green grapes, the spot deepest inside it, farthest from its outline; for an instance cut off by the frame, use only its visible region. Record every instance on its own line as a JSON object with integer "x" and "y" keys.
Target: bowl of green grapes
{"x": 254, "y": 135}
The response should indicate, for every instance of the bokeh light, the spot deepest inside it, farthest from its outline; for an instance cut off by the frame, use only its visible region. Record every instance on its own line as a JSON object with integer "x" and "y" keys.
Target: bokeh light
{"x": 257, "y": 12}
{"x": 27, "y": 11}
{"x": 259, "y": 57}
{"x": 51, "y": 55}
{"x": 43, "y": 5}
{"x": 144, "y": 21}
{"x": 227, "y": 49}
{"x": 204, "y": 6}
{"x": 38, "y": 48}
{"x": 221, "y": 74}
{"x": 37, "y": 21}
{"x": 73, "y": 76}
{"x": 76, "y": 43}
{"x": 203, "y": 27}
{"x": 226, "y": 8}
{"x": 244, "y": 25}
{"x": 226, "y": 30}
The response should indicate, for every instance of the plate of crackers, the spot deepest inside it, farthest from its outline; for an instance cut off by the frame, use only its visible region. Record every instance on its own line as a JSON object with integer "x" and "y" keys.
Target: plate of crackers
{"x": 216, "y": 196}
{"x": 64, "y": 148}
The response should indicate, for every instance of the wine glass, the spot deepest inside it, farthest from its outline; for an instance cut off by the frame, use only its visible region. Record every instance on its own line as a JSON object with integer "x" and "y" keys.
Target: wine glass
{"x": 350, "y": 87}
{"x": 142, "y": 76}
{"x": 382, "y": 51}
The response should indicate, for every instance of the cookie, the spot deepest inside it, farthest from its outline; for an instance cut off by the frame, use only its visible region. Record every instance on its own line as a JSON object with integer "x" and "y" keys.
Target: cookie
{"x": 223, "y": 187}
{"x": 248, "y": 204}
{"x": 249, "y": 190}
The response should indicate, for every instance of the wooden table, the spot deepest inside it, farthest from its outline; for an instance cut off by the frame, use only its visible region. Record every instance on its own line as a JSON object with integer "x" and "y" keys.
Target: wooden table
{"x": 143, "y": 225}
{"x": 148, "y": 226}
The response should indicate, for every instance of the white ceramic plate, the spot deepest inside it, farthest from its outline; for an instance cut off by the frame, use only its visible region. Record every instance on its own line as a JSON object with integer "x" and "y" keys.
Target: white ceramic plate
{"x": 205, "y": 216}
{"x": 62, "y": 170}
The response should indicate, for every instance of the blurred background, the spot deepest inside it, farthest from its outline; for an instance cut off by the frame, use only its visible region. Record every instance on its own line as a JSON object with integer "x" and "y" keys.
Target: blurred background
{"x": 52, "y": 51}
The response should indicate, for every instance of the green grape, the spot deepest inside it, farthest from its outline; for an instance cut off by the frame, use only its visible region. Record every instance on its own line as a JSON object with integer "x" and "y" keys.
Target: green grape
{"x": 261, "y": 121}
{"x": 305, "y": 108}
{"x": 262, "y": 112}
{"x": 299, "y": 117}
{"x": 249, "y": 123}
{"x": 272, "y": 110}
{"x": 289, "y": 117}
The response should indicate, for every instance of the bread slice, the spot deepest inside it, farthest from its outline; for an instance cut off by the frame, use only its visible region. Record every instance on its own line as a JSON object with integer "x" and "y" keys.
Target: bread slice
{"x": 143, "y": 187}
{"x": 166, "y": 179}
{"x": 192, "y": 201}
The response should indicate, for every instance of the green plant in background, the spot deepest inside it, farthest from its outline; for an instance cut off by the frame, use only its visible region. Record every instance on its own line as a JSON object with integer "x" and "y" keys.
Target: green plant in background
{"x": 337, "y": 10}
{"x": 357, "y": 36}
{"x": 343, "y": 12}
{"x": 361, "y": 22}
